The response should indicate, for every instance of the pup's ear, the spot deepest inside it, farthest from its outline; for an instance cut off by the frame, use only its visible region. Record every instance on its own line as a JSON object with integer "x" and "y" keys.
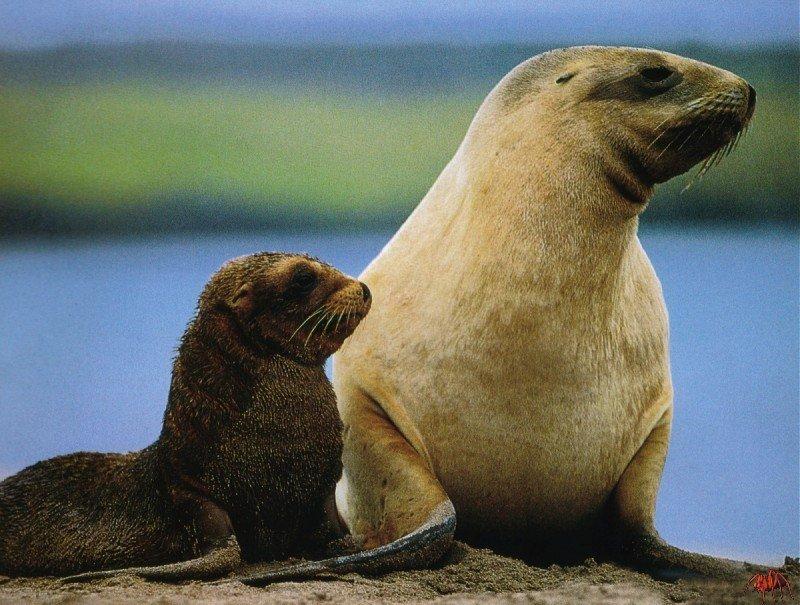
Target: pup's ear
{"x": 243, "y": 302}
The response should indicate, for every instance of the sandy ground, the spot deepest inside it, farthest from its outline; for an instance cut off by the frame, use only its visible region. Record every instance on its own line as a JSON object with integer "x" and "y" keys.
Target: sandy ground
{"x": 468, "y": 575}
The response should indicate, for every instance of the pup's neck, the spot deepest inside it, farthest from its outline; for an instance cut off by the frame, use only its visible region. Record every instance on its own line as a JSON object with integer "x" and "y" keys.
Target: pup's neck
{"x": 212, "y": 382}
{"x": 216, "y": 362}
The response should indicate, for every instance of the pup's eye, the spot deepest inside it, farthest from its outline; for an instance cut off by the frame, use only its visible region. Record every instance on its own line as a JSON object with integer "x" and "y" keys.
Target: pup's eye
{"x": 655, "y": 74}
{"x": 304, "y": 279}
{"x": 564, "y": 78}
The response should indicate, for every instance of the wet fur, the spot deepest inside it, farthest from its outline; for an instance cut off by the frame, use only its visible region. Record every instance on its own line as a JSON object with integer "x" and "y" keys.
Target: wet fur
{"x": 249, "y": 451}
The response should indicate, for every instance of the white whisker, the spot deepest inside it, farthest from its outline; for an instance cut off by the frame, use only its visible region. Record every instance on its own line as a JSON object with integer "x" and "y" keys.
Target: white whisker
{"x": 675, "y": 138}
{"x": 341, "y": 314}
{"x": 663, "y": 132}
{"x": 325, "y": 327}
{"x": 686, "y": 140}
{"x": 315, "y": 327}
{"x": 304, "y": 322}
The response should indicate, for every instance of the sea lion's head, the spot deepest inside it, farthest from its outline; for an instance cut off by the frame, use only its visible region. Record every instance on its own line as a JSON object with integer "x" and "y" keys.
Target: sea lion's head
{"x": 635, "y": 116}
{"x": 290, "y": 303}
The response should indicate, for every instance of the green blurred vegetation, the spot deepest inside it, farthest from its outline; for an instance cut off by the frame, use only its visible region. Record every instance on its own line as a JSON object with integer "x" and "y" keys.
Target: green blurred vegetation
{"x": 119, "y": 144}
{"x": 105, "y": 141}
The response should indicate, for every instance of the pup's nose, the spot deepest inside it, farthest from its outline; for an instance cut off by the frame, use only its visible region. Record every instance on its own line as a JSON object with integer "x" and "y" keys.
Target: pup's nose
{"x": 365, "y": 292}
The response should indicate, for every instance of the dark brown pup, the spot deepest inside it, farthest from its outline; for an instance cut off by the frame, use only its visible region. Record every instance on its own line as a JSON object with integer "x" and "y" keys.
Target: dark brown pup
{"x": 247, "y": 459}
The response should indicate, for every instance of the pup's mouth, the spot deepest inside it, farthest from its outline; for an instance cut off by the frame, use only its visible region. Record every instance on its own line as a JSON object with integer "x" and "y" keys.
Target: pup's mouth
{"x": 334, "y": 320}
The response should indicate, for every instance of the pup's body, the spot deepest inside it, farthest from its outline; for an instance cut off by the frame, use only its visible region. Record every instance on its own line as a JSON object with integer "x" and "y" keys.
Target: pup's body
{"x": 88, "y": 511}
{"x": 248, "y": 455}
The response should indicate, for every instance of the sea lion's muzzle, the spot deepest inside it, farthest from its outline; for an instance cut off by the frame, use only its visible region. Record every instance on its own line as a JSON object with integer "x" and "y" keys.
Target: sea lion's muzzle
{"x": 706, "y": 129}
{"x": 354, "y": 299}
{"x": 751, "y": 102}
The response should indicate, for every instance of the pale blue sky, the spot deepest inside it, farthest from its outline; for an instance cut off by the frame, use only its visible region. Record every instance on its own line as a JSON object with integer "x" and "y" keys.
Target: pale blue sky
{"x": 36, "y": 23}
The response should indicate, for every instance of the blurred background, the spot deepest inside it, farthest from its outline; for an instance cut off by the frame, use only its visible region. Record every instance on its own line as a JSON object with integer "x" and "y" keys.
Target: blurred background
{"x": 144, "y": 143}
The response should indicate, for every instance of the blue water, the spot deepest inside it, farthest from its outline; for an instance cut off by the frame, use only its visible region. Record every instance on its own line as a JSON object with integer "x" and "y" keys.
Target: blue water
{"x": 88, "y": 332}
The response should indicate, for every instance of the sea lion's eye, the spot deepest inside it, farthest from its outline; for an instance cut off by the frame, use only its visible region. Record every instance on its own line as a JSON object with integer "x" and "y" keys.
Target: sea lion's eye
{"x": 656, "y": 74}
{"x": 657, "y": 79}
{"x": 564, "y": 78}
{"x": 304, "y": 279}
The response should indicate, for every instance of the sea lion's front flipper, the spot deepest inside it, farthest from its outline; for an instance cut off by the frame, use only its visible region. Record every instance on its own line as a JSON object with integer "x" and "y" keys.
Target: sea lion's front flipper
{"x": 651, "y": 554}
{"x": 217, "y": 562}
{"x": 634, "y": 540}
{"x": 388, "y": 497}
{"x": 426, "y": 543}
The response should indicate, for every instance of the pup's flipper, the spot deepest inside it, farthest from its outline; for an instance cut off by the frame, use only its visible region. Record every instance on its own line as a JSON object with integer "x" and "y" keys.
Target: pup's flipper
{"x": 216, "y": 563}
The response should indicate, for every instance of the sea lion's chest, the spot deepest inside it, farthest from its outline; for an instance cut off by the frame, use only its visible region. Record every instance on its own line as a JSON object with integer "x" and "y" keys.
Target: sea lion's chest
{"x": 281, "y": 456}
{"x": 538, "y": 415}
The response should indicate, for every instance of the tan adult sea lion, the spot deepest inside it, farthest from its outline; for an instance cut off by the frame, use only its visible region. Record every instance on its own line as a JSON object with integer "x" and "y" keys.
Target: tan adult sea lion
{"x": 249, "y": 453}
{"x": 516, "y": 359}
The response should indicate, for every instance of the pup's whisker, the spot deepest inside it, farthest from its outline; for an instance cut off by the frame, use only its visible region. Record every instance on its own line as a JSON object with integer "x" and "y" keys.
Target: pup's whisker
{"x": 304, "y": 322}
{"x": 322, "y": 317}
{"x": 341, "y": 313}
{"x": 325, "y": 327}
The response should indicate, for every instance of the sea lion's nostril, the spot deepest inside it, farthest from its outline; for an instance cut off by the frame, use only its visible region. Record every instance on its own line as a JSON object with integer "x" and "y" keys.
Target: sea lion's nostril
{"x": 365, "y": 292}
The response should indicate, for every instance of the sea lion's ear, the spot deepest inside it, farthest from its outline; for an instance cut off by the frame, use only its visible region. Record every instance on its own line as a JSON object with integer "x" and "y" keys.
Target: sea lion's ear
{"x": 243, "y": 302}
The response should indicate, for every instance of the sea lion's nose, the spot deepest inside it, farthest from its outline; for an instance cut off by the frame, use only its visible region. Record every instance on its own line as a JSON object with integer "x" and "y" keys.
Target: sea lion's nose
{"x": 751, "y": 99}
{"x": 365, "y": 292}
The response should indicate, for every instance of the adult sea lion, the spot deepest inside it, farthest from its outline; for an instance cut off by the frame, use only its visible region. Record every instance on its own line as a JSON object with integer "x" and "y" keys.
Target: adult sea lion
{"x": 249, "y": 453}
{"x": 516, "y": 361}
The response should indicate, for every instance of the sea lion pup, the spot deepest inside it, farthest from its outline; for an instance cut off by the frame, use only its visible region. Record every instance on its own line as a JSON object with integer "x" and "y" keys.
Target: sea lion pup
{"x": 249, "y": 453}
{"x": 516, "y": 361}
